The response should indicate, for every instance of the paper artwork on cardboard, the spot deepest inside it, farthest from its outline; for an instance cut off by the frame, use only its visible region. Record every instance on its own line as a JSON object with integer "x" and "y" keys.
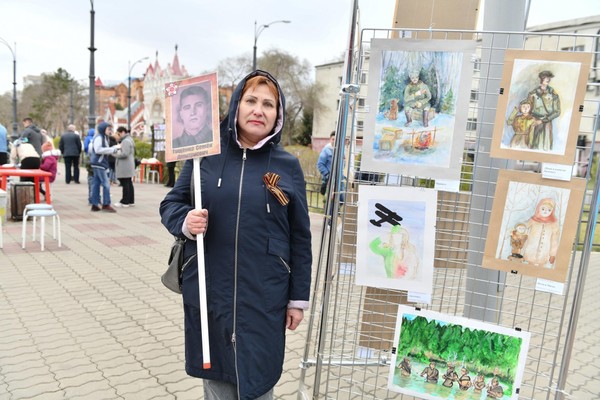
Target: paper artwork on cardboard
{"x": 395, "y": 237}
{"x": 540, "y": 105}
{"x": 418, "y": 99}
{"x": 533, "y": 225}
{"x": 438, "y": 356}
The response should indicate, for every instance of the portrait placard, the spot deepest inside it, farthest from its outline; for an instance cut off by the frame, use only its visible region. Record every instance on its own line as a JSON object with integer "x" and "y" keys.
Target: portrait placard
{"x": 192, "y": 118}
{"x": 533, "y": 224}
{"x": 540, "y": 105}
{"x": 438, "y": 356}
{"x": 418, "y": 100}
{"x": 396, "y": 237}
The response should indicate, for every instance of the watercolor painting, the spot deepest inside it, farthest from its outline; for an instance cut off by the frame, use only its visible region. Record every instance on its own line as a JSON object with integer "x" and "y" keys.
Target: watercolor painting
{"x": 438, "y": 356}
{"x": 396, "y": 237}
{"x": 418, "y": 100}
{"x": 192, "y": 118}
{"x": 538, "y": 109}
{"x": 533, "y": 224}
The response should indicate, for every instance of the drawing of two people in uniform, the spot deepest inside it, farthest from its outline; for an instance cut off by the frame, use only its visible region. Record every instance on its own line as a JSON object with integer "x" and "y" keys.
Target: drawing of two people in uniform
{"x": 532, "y": 119}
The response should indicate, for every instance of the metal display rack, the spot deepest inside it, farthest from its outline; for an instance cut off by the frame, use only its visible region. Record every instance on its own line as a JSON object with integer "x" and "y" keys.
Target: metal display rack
{"x": 351, "y": 327}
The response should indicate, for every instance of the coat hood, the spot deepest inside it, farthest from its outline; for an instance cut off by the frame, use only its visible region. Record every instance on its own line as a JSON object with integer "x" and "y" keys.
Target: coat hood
{"x": 102, "y": 128}
{"x": 229, "y": 123}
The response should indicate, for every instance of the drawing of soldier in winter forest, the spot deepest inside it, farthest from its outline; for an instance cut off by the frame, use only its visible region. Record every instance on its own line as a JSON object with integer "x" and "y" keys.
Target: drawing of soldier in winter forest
{"x": 422, "y": 87}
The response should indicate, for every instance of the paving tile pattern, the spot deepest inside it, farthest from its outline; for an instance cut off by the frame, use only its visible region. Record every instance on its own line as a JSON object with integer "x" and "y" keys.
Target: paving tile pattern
{"x": 91, "y": 320}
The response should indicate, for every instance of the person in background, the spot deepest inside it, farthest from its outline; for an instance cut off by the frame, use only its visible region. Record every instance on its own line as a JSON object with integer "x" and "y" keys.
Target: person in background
{"x": 45, "y": 137}
{"x": 33, "y": 135}
{"x": 125, "y": 167}
{"x": 24, "y": 153}
{"x": 49, "y": 162}
{"x": 324, "y": 163}
{"x": 257, "y": 250}
{"x": 87, "y": 152}
{"x": 3, "y": 145}
{"x": 112, "y": 141}
{"x": 171, "y": 174}
{"x": 88, "y": 139}
{"x": 70, "y": 147}
{"x": 99, "y": 162}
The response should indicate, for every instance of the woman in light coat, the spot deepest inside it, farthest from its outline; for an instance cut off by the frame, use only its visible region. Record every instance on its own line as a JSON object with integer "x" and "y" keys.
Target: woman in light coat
{"x": 125, "y": 167}
{"x": 543, "y": 235}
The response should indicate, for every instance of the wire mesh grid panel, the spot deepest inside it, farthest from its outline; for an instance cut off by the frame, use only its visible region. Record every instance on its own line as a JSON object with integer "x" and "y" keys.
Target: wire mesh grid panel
{"x": 351, "y": 334}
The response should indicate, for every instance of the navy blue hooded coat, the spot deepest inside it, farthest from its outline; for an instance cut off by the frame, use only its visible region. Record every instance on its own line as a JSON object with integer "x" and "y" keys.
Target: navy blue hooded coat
{"x": 257, "y": 256}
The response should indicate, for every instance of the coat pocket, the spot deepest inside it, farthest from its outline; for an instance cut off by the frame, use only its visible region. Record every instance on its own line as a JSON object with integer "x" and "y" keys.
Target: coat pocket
{"x": 277, "y": 274}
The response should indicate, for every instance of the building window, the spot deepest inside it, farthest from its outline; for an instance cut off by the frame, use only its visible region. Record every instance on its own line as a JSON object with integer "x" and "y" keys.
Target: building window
{"x": 477, "y": 64}
{"x": 363, "y": 77}
{"x": 474, "y": 95}
{"x": 339, "y": 81}
{"x": 360, "y": 125}
{"x": 579, "y": 47}
{"x": 472, "y": 124}
{"x": 361, "y": 103}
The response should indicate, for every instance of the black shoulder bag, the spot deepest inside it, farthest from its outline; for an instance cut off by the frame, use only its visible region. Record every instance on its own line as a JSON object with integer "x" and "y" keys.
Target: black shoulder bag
{"x": 172, "y": 276}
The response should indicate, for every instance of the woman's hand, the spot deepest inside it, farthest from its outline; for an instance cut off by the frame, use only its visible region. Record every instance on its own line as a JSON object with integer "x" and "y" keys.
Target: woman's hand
{"x": 293, "y": 318}
{"x": 197, "y": 221}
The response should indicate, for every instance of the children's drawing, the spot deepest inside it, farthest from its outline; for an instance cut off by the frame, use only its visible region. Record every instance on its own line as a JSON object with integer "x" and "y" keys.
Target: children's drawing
{"x": 418, "y": 97}
{"x": 538, "y": 109}
{"x": 533, "y": 224}
{"x": 396, "y": 237}
{"x": 437, "y": 356}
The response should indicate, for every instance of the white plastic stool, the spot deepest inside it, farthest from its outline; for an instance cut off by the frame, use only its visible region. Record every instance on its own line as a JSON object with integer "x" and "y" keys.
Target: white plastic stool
{"x": 42, "y": 214}
{"x": 30, "y": 207}
{"x": 152, "y": 174}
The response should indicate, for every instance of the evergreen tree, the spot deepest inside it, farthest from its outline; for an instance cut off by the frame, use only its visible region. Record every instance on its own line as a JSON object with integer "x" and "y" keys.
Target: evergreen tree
{"x": 392, "y": 88}
{"x": 448, "y": 102}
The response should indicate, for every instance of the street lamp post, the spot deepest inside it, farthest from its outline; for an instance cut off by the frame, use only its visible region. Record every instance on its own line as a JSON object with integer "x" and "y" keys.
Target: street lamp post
{"x": 257, "y": 31}
{"x": 129, "y": 92}
{"x": 92, "y": 94}
{"x": 14, "y": 99}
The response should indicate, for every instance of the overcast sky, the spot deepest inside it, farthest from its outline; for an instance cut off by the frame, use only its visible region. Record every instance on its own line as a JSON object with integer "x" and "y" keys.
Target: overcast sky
{"x": 56, "y": 33}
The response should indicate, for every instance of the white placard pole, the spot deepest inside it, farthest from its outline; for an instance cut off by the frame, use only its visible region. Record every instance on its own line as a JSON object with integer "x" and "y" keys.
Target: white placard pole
{"x": 201, "y": 272}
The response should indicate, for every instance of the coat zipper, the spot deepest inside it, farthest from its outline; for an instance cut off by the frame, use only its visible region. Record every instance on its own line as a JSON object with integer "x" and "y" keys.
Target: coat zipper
{"x": 289, "y": 270}
{"x": 235, "y": 271}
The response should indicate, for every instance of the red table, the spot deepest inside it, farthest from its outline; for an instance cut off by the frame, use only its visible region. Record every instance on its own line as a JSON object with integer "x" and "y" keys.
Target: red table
{"x": 36, "y": 174}
{"x": 151, "y": 164}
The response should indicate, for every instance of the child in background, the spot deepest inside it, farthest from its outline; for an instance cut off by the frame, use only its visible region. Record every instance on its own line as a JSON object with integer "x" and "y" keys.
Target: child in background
{"x": 49, "y": 163}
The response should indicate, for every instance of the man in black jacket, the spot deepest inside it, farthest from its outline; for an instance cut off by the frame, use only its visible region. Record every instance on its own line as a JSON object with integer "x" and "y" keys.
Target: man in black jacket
{"x": 70, "y": 147}
{"x": 33, "y": 135}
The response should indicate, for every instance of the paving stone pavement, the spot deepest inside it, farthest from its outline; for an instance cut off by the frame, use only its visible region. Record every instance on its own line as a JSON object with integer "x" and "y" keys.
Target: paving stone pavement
{"x": 91, "y": 319}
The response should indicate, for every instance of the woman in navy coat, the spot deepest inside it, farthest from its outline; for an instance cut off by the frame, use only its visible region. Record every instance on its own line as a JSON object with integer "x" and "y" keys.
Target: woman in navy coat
{"x": 257, "y": 244}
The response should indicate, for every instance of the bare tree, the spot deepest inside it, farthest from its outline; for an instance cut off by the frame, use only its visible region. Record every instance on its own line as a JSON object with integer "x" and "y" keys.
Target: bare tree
{"x": 301, "y": 94}
{"x": 231, "y": 70}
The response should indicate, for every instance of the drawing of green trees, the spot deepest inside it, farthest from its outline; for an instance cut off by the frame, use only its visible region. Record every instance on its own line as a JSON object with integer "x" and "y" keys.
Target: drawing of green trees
{"x": 478, "y": 349}
{"x": 392, "y": 87}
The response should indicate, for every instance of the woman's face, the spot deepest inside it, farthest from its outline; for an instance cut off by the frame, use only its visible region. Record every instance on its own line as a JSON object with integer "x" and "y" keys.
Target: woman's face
{"x": 545, "y": 210}
{"x": 256, "y": 115}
